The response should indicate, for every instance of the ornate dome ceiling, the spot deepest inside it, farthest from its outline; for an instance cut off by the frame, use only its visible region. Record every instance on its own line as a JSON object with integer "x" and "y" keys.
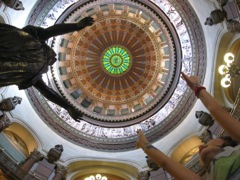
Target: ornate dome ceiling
{"x": 122, "y": 72}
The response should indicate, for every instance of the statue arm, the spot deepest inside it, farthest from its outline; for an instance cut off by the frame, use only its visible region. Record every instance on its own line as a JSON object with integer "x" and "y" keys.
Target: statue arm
{"x": 59, "y": 29}
{"x": 53, "y": 96}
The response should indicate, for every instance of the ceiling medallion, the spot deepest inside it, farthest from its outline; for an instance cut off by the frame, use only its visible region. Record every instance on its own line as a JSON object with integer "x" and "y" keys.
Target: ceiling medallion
{"x": 160, "y": 40}
{"x": 97, "y": 90}
{"x": 116, "y": 60}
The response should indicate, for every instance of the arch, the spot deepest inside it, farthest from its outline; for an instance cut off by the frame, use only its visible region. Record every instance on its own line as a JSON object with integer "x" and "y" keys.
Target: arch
{"x": 85, "y": 168}
{"x": 229, "y": 43}
{"x": 24, "y": 135}
{"x": 186, "y": 149}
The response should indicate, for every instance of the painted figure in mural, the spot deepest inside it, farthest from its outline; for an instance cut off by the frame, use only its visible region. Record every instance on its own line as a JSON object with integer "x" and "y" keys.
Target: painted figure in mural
{"x": 25, "y": 56}
{"x": 220, "y": 157}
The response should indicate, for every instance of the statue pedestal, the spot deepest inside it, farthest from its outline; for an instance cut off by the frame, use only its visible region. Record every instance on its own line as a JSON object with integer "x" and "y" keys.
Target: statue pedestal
{"x": 44, "y": 170}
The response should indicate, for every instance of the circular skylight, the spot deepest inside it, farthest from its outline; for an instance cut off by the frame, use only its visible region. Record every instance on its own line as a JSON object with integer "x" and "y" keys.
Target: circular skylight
{"x": 116, "y": 60}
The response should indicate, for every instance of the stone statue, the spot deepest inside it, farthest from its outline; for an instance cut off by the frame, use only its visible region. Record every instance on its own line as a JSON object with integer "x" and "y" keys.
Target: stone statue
{"x": 143, "y": 175}
{"x": 25, "y": 56}
{"x": 204, "y": 118}
{"x": 151, "y": 164}
{"x": 233, "y": 26}
{"x": 222, "y": 2}
{"x": 55, "y": 153}
{"x": 206, "y": 136}
{"x": 10, "y": 103}
{"x": 216, "y": 17}
{"x": 14, "y": 4}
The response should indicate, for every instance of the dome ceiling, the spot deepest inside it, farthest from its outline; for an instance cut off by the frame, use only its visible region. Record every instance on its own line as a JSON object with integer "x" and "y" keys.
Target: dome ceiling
{"x": 122, "y": 72}
{"x": 106, "y": 94}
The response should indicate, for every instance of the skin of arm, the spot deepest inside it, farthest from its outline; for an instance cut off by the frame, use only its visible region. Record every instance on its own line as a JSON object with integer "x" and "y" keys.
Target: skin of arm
{"x": 228, "y": 123}
{"x": 177, "y": 170}
{"x": 51, "y": 95}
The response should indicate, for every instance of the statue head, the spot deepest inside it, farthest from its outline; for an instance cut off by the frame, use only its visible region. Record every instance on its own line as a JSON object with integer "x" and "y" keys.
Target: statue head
{"x": 59, "y": 147}
{"x": 18, "y": 6}
{"x": 17, "y": 100}
{"x": 209, "y": 21}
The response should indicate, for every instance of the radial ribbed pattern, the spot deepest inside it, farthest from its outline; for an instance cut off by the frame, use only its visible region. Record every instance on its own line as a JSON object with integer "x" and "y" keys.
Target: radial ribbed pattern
{"x": 104, "y": 89}
{"x": 143, "y": 89}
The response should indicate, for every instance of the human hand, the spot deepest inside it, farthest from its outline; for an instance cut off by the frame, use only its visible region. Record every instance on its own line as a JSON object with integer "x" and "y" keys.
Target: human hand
{"x": 142, "y": 140}
{"x": 87, "y": 21}
{"x": 77, "y": 116}
{"x": 192, "y": 81}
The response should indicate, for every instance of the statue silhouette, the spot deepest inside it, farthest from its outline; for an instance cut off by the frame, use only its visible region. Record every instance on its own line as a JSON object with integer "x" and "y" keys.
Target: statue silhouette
{"x": 25, "y": 56}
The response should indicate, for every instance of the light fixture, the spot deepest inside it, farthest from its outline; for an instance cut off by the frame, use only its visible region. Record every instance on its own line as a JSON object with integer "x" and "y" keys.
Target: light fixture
{"x": 96, "y": 177}
{"x": 228, "y": 70}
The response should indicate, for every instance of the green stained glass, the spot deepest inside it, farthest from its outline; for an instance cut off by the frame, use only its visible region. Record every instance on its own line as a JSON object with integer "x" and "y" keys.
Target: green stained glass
{"x": 116, "y": 60}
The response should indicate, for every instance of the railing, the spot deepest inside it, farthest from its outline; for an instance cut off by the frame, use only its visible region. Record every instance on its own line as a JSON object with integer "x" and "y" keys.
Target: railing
{"x": 12, "y": 169}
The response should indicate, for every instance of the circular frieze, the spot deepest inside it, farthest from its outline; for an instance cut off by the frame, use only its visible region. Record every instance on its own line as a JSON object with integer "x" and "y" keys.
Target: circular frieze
{"x": 147, "y": 58}
{"x": 120, "y": 91}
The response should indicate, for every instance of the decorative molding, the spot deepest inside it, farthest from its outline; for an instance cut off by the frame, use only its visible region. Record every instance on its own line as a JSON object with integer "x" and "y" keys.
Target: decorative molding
{"x": 114, "y": 138}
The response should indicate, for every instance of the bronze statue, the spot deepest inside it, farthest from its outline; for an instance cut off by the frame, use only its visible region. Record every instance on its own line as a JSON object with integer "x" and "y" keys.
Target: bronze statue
{"x": 151, "y": 164}
{"x": 55, "y": 153}
{"x": 216, "y": 17}
{"x": 204, "y": 118}
{"x": 14, "y": 4}
{"x": 9, "y": 104}
{"x": 24, "y": 57}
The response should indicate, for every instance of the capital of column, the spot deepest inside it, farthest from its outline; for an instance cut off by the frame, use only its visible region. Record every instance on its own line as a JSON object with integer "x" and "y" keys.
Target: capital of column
{"x": 61, "y": 169}
{"x": 4, "y": 122}
{"x": 143, "y": 175}
{"x": 36, "y": 155}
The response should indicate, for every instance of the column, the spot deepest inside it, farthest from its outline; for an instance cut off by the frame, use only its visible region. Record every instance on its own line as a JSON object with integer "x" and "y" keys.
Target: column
{"x": 60, "y": 173}
{"x": 34, "y": 157}
{"x": 143, "y": 175}
{"x": 206, "y": 136}
{"x": 4, "y": 122}
{"x": 233, "y": 26}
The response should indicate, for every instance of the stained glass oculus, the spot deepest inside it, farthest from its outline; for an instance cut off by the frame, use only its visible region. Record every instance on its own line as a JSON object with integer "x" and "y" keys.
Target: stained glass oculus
{"x": 116, "y": 60}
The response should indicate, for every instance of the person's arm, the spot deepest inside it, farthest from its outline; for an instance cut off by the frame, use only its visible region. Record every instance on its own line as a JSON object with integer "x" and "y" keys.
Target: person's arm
{"x": 228, "y": 123}
{"x": 51, "y": 95}
{"x": 59, "y": 29}
{"x": 178, "y": 171}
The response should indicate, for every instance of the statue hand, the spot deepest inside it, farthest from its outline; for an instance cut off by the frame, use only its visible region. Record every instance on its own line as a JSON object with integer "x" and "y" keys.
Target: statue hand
{"x": 77, "y": 116}
{"x": 87, "y": 21}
